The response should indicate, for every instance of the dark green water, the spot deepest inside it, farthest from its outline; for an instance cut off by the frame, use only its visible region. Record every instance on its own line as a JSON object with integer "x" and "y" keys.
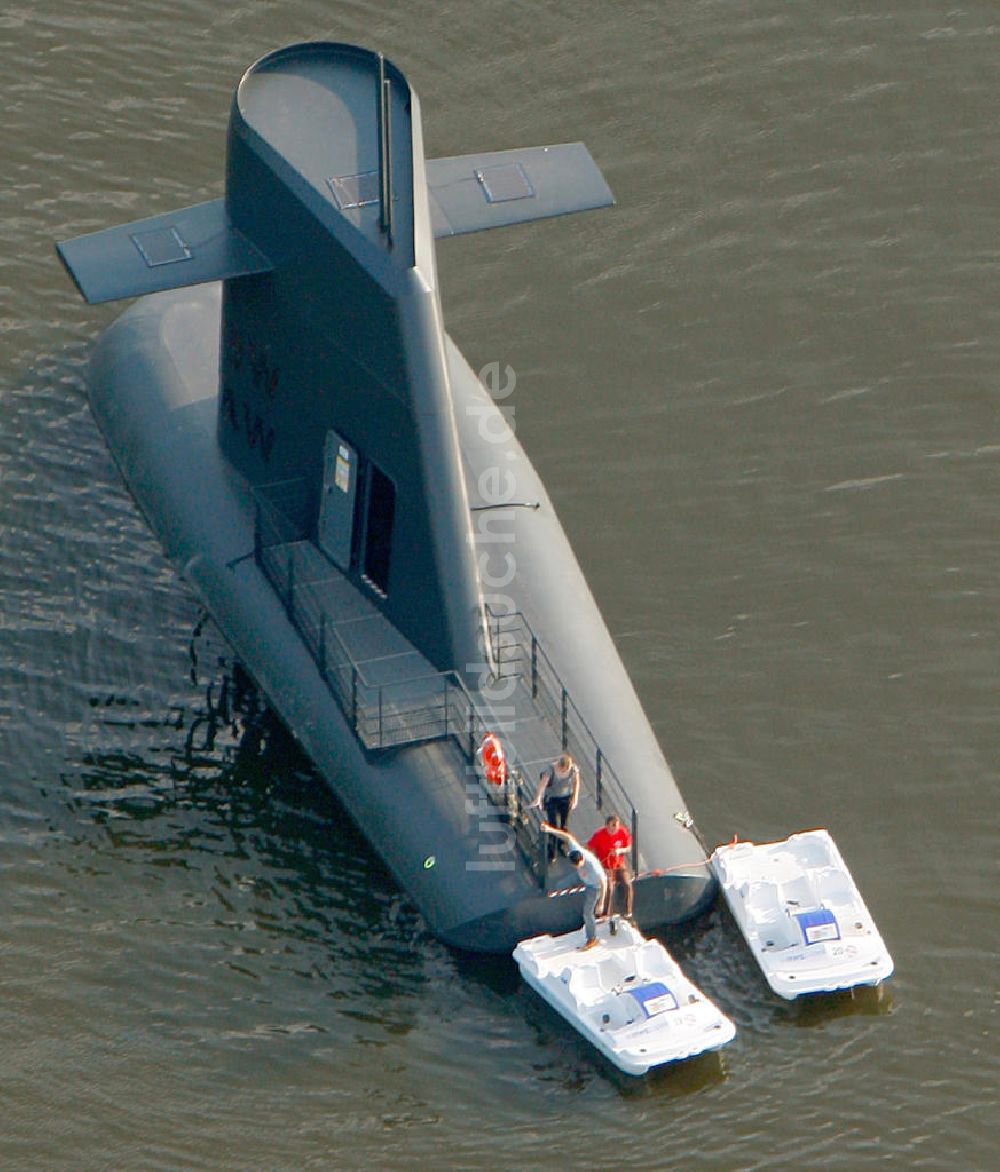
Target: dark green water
{"x": 764, "y": 393}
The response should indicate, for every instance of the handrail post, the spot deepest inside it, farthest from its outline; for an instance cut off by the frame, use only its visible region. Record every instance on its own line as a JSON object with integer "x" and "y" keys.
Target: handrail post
{"x": 354, "y": 697}
{"x": 498, "y": 651}
{"x": 534, "y": 667}
{"x": 290, "y": 588}
{"x": 444, "y": 690}
{"x": 513, "y": 788}
{"x": 598, "y": 774}
{"x": 472, "y": 732}
{"x": 635, "y": 841}
{"x": 565, "y": 719}
{"x": 322, "y": 643}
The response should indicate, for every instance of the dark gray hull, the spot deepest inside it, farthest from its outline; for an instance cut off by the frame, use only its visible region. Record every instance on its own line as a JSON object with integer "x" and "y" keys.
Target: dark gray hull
{"x": 422, "y": 806}
{"x": 350, "y": 505}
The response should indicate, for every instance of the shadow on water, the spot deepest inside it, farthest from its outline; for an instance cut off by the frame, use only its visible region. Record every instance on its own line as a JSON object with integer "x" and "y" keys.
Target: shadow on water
{"x": 221, "y": 785}
{"x": 572, "y": 1061}
{"x": 497, "y": 974}
{"x": 820, "y": 1008}
{"x": 676, "y": 1081}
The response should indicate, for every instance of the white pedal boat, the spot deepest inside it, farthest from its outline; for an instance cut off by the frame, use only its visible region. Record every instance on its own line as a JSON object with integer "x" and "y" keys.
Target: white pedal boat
{"x": 627, "y": 996}
{"x": 802, "y": 915}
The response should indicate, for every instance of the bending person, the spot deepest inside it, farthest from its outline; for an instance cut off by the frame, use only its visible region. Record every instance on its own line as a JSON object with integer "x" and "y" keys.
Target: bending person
{"x": 592, "y": 876}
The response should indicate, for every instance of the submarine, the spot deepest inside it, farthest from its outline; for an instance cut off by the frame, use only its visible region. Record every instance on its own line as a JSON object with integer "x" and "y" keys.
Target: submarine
{"x": 347, "y": 498}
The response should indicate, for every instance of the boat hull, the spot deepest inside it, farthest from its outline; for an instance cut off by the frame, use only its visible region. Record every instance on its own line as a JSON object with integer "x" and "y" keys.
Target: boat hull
{"x": 627, "y": 996}
{"x": 802, "y": 915}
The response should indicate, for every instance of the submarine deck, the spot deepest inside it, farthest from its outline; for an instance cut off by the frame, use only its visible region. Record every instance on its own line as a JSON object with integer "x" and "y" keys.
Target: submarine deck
{"x": 394, "y": 696}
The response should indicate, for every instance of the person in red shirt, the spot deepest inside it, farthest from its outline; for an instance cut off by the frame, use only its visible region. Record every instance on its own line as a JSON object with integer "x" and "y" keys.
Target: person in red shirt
{"x": 612, "y": 844}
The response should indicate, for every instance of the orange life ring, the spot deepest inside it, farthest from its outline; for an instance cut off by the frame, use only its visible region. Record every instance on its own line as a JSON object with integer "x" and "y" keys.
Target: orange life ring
{"x": 494, "y": 761}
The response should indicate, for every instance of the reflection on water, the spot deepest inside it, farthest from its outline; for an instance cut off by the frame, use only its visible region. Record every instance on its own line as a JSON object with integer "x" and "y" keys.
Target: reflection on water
{"x": 571, "y": 1063}
{"x": 677, "y": 1080}
{"x": 220, "y": 793}
{"x": 822, "y": 1008}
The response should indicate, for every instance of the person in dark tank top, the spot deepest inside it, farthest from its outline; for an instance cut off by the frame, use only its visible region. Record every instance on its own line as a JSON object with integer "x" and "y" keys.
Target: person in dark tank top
{"x": 559, "y": 791}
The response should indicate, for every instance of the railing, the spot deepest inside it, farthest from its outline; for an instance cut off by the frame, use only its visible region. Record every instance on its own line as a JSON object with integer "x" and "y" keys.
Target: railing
{"x": 437, "y": 705}
{"x": 383, "y": 715}
{"x": 518, "y": 654}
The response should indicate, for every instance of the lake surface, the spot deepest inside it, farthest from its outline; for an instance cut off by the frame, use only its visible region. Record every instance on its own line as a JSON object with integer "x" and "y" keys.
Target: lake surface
{"x": 763, "y": 391}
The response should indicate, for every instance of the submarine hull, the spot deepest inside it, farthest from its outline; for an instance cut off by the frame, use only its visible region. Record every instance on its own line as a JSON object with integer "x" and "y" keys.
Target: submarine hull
{"x": 154, "y": 393}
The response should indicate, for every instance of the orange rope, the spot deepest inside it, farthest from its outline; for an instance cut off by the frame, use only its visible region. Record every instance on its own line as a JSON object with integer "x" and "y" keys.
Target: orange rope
{"x": 657, "y": 871}
{"x": 641, "y": 875}
{"x": 683, "y": 866}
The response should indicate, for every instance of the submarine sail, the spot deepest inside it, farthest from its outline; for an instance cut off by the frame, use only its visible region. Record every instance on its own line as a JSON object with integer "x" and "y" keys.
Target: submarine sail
{"x": 341, "y": 491}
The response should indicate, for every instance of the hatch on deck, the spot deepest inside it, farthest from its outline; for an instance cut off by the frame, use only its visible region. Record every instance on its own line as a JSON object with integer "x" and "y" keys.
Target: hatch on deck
{"x": 163, "y": 246}
{"x": 355, "y": 191}
{"x": 504, "y": 183}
